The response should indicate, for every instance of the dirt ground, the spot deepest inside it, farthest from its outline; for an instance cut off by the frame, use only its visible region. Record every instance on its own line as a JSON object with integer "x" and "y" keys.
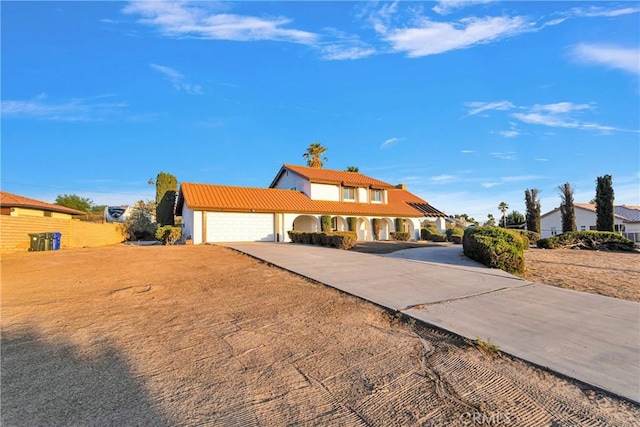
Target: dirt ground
{"x": 613, "y": 274}
{"x": 202, "y": 335}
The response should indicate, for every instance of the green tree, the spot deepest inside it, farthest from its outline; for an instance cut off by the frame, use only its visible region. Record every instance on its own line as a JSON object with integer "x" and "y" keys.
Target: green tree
{"x": 504, "y": 207}
{"x": 313, "y": 156}
{"x": 166, "y": 189}
{"x": 352, "y": 169}
{"x": 533, "y": 209}
{"x": 491, "y": 221}
{"x": 515, "y": 218}
{"x": 74, "y": 201}
{"x": 567, "y": 210}
{"x": 604, "y": 203}
{"x": 139, "y": 225}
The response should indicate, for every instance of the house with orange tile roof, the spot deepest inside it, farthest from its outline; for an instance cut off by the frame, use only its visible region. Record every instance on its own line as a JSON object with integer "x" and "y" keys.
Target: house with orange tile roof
{"x": 15, "y": 205}
{"x": 297, "y": 199}
{"x": 626, "y": 220}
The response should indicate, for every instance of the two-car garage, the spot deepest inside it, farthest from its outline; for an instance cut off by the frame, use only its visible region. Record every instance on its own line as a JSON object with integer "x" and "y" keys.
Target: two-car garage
{"x": 239, "y": 227}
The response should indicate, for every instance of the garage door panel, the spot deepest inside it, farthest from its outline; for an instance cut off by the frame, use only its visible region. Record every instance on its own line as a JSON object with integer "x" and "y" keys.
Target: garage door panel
{"x": 240, "y": 227}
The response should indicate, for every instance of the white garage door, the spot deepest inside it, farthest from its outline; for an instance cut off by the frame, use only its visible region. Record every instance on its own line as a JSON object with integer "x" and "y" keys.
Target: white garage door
{"x": 240, "y": 227}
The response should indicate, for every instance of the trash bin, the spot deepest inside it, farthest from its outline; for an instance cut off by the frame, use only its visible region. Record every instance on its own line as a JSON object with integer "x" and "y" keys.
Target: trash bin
{"x": 37, "y": 242}
{"x": 48, "y": 241}
{"x": 56, "y": 241}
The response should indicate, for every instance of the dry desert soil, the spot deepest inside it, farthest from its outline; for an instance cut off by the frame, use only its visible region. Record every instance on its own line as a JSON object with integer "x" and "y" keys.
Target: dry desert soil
{"x": 203, "y": 335}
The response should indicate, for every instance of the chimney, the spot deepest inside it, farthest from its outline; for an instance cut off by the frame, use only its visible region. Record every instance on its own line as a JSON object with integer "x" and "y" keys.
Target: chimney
{"x": 401, "y": 186}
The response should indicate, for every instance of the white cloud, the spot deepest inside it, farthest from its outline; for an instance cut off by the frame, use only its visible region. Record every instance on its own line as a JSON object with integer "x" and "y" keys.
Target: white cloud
{"x": 389, "y": 142}
{"x": 595, "y": 11}
{"x": 74, "y": 110}
{"x": 541, "y": 159}
{"x": 505, "y": 156}
{"x": 625, "y": 59}
{"x": 201, "y": 20}
{"x": 489, "y": 184}
{"x": 341, "y": 50}
{"x": 177, "y": 80}
{"x": 562, "y": 107}
{"x": 467, "y": 151}
{"x": 509, "y": 133}
{"x": 447, "y": 6}
{"x": 430, "y": 38}
{"x": 442, "y": 179}
{"x": 479, "y": 107}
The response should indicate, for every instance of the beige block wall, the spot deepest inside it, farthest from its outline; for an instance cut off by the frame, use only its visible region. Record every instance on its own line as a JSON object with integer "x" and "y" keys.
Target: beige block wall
{"x": 14, "y": 232}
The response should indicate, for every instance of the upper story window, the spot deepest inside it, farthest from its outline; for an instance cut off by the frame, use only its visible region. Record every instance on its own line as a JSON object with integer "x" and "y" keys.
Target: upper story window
{"x": 376, "y": 196}
{"x": 349, "y": 193}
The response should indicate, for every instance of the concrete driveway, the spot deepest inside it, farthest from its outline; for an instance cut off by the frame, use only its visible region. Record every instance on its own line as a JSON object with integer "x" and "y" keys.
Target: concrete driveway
{"x": 588, "y": 337}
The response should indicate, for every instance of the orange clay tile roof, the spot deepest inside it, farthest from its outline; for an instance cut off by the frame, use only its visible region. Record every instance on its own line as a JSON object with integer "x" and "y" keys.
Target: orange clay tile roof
{"x": 15, "y": 201}
{"x": 329, "y": 176}
{"x": 247, "y": 199}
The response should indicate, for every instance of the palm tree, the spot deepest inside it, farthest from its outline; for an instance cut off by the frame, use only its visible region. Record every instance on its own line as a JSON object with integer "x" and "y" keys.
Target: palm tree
{"x": 504, "y": 208}
{"x": 352, "y": 169}
{"x": 314, "y": 155}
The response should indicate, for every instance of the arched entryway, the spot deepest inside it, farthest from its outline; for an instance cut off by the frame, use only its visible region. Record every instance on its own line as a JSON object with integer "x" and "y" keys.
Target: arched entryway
{"x": 338, "y": 223}
{"x": 406, "y": 226}
{"x": 307, "y": 223}
{"x": 385, "y": 228}
{"x": 364, "y": 229}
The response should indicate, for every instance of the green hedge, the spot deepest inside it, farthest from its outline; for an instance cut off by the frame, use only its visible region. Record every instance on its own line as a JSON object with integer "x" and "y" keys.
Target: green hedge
{"x": 352, "y": 223}
{"x": 340, "y": 239}
{"x": 424, "y": 234}
{"x": 325, "y": 223}
{"x": 495, "y": 247}
{"x": 531, "y": 236}
{"x": 454, "y": 232}
{"x": 168, "y": 234}
{"x": 402, "y": 236}
{"x": 597, "y": 240}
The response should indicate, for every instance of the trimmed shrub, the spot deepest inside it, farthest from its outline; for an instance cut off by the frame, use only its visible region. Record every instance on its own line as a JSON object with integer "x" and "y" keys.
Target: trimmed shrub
{"x": 401, "y": 236}
{"x": 343, "y": 241}
{"x": 294, "y": 235}
{"x": 352, "y": 234}
{"x": 531, "y": 236}
{"x": 454, "y": 232}
{"x": 595, "y": 240}
{"x": 495, "y": 247}
{"x": 168, "y": 234}
{"x": 456, "y": 239}
{"x": 325, "y": 223}
{"x": 305, "y": 238}
{"x": 437, "y": 237}
{"x": 424, "y": 234}
{"x": 399, "y": 223}
{"x": 352, "y": 222}
{"x": 375, "y": 222}
{"x": 316, "y": 239}
{"x": 325, "y": 239}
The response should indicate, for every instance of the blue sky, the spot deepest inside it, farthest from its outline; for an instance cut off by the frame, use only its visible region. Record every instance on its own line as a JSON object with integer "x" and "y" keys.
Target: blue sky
{"x": 468, "y": 103}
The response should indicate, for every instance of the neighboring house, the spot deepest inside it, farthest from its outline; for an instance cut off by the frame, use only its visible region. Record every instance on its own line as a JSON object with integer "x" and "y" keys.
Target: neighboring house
{"x": 296, "y": 200}
{"x": 626, "y": 220}
{"x": 14, "y": 205}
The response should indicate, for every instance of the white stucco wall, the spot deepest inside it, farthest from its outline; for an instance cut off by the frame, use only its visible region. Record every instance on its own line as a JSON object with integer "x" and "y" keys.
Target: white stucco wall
{"x": 289, "y": 218}
{"x": 362, "y": 195}
{"x": 292, "y": 181}
{"x": 325, "y": 192}
{"x": 585, "y": 219}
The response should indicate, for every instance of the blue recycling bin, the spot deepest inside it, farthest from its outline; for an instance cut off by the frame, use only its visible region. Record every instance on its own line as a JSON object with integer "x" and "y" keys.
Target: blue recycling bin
{"x": 56, "y": 241}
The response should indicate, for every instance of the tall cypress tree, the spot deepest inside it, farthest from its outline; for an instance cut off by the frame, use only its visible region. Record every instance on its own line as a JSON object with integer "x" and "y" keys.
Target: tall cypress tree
{"x": 533, "y": 209}
{"x": 604, "y": 203}
{"x": 567, "y": 210}
{"x": 166, "y": 189}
